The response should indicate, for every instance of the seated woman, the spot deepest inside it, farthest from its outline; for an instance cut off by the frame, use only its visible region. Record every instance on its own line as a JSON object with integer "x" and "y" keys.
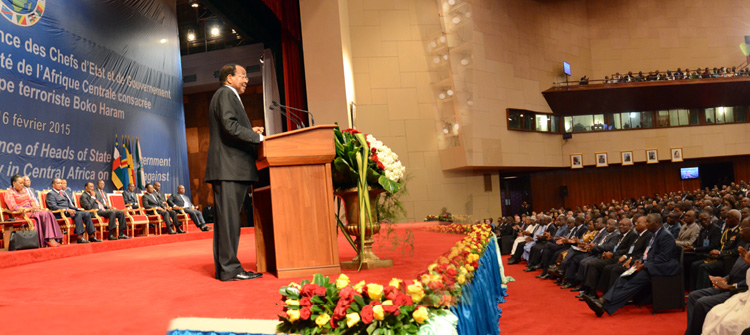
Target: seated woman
{"x": 18, "y": 198}
{"x": 731, "y": 317}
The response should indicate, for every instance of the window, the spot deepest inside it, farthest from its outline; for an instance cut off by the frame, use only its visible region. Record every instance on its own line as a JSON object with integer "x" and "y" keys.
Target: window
{"x": 568, "y": 124}
{"x": 514, "y": 119}
{"x": 599, "y": 122}
{"x": 582, "y": 123}
{"x": 724, "y": 114}
{"x": 739, "y": 113}
{"x": 555, "y": 122}
{"x": 663, "y": 119}
{"x": 710, "y": 116}
{"x": 631, "y": 120}
{"x": 679, "y": 117}
{"x": 647, "y": 119}
{"x": 542, "y": 123}
{"x": 528, "y": 121}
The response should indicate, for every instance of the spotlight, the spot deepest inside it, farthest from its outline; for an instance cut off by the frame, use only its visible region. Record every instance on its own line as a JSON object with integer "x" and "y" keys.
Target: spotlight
{"x": 193, "y": 3}
{"x": 163, "y": 40}
{"x": 191, "y": 36}
{"x": 215, "y": 31}
{"x": 456, "y": 19}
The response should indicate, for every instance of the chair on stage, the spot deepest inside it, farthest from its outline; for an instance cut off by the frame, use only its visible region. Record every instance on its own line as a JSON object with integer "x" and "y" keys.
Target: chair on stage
{"x": 133, "y": 217}
{"x": 183, "y": 217}
{"x": 153, "y": 217}
{"x": 67, "y": 225}
{"x": 9, "y": 222}
{"x": 99, "y": 222}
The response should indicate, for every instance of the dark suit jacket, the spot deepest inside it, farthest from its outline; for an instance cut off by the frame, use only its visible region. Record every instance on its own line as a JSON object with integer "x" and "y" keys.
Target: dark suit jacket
{"x": 713, "y": 235}
{"x": 100, "y": 198}
{"x": 581, "y": 230}
{"x": 640, "y": 245}
{"x": 56, "y": 201}
{"x": 150, "y": 202}
{"x": 624, "y": 243}
{"x": 174, "y": 200}
{"x": 663, "y": 257}
{"x": 231, "y": 151}
{"x": 737, "y": 273}
{"x": 130, "y": 198}
{"x": 608, "y": 244}
{"x": 89, "y": 202}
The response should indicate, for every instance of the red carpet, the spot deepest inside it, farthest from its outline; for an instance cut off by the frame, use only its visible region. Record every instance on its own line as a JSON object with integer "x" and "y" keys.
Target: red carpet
{"x": 536, "y": 306}
{"x": 139, "y": 290}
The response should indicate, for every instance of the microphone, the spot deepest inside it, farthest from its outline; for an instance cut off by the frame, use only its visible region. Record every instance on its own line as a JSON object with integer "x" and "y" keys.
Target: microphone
{"x": 312, "y": 118}
{"x": 288, "y": 116}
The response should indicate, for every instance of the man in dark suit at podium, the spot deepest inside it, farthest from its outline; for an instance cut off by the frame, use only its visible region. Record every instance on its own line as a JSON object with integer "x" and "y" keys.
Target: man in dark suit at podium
{"x": 230, "y": 168}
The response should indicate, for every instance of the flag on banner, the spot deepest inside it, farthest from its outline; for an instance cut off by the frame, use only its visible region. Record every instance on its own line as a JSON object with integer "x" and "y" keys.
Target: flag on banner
{"x": 131, "y": 167}
{"x": 140, "y": 179}
{"x": 116, "y": 172}
{"x": 124, "y": 173}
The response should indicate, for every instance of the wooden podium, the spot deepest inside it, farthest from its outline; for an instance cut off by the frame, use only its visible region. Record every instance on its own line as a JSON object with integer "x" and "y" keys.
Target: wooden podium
{"x": 295, "y": 227}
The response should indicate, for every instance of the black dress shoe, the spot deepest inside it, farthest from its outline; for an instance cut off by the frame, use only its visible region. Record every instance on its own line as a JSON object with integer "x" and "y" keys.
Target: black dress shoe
{"x": 112, "y": 238}
{"x": 244, "y": 276}
{"x": 529, "y": 269}
{"x": 82, "y": 240}
{"x": 171, "y": 231}
{"x": 543, "y": 276}
{"x": 577, "y": 289}
{"x": 594, "y": 304}
{"x": 254, "y": 275}
{"x": 94, "y": 239}
{"x": 535, "y": 267}
{"x": 206, "y": 228}
{"x": 124, "y": 237}
{"x": 567, "y": 286}
{"x": 580, "y": 294}
{"x": 179, "y": 230}
{"x": 511, "y": 262}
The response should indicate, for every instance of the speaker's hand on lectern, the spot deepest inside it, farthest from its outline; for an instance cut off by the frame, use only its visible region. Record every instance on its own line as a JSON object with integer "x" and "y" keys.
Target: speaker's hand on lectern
{"x": 258, "y": 130}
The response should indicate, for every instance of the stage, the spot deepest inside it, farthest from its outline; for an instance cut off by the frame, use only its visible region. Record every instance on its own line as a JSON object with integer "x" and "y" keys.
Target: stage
{"x": 139, "y": 290}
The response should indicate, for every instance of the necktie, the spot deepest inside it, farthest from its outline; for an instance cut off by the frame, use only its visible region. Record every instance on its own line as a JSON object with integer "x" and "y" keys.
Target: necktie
{"x": 104, "y": 197}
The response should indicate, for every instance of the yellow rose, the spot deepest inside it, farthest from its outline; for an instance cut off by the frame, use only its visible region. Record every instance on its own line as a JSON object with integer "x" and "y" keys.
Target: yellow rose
{"x": 420, "y": 314}
{"x": 358, "y": 286}
{"x": 436, "y": 278}
{"x": 292, "y": 302}
{"x": 375, "y": 291}
{"x": 352, "y": 319}
{"x": 415, "y": 292}
{"x": 431, "y": 267}
{"x": 295, "y": 285}
{"x": 342, "y": 281}
{"x": 378, "y": 313}
{"x": 425, "y": 279}
{"x": 387, "y": 302}
{"x": 293, "y": 314}
{"x": 395, "y": 282}
{"x": 461, "y": 279}
{"x": 322, "y": 319}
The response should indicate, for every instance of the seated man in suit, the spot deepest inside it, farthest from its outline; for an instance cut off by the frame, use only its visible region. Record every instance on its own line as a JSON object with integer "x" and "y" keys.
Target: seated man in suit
{"x": 130, "y": 198}
{"x": 29, "y": 189}
{"x": 659, "y": 259}
{"x": 553, "y": 250}
{"x": 714, "y": 264}
{"x": 633, "y": 253}
{"x": 627, "y": 237}
{"x": 59, "y": 199}
{"x": 181, "y": 201}
{"x": 170, "y": 217}
{"x": 538, "y": 230}
{"x": 708, "y": 239}
{"x": 561, "y": 229}
{"x": 701, "y": 301}
{"x": 577, "y": 260}
{"x": 90, "y": 200}
{"x": 689, "y": 230}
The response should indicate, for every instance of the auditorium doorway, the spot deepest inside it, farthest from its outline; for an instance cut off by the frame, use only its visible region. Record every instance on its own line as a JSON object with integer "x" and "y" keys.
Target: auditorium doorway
{"x": 712, "y": 174}
{"x": 514, "y": 190}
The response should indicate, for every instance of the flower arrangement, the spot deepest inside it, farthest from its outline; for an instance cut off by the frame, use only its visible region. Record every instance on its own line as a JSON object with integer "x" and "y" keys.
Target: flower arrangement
{"x": 401, "y": 307}
{"x": 441, "y": 218}
{"x": 384, "y": 171}
{"x": 453, "y": 228}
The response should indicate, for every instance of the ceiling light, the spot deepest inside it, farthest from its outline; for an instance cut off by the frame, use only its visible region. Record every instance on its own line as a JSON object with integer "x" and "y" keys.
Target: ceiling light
{"x": 191, "y": 36}
{"x": 163, "y": 40}
{"x": 194, "y": 4}
{"x": 215, "y": 31}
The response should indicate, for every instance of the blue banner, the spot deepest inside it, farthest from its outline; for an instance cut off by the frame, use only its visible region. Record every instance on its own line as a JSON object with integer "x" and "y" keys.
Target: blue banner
{"x": 76, "y": 76}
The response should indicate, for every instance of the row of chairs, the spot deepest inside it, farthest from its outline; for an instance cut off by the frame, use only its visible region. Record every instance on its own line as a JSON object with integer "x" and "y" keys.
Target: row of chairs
{"x": 139, "y": 221}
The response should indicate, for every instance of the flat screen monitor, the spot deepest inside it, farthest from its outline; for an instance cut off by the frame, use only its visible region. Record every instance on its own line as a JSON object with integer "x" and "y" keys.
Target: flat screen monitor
{"x": 689, "y": 173}
{"x": 566, "y": 68}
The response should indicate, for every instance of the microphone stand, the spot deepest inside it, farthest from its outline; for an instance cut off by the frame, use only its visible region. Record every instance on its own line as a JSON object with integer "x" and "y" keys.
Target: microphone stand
{"x": 312, "y": 118}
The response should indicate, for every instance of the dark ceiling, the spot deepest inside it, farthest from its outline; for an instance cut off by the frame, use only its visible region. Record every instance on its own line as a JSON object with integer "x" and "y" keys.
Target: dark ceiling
{"x": 239, "y": 22}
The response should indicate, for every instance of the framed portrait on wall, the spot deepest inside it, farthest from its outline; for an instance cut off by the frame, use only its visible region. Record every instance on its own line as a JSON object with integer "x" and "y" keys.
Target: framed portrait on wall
{"x": 601, "y": 159}
{"x": 676, "y": 154}
{"x": 627, "y": 157}
{"x": 576, "y": 161}
{"x": 652, "y": 156}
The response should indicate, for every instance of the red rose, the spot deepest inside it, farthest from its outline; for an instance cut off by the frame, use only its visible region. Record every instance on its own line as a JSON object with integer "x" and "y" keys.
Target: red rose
{"x": 390, "y": 293}
{"x": 475, "y": 264}
{"x": 451, "y": 272}
{"x": 435, "y": 285}
{"x": 304, "y": 313}
{"x": 305, "y": 301}
{"x": 375, "y": 302}
{"x": 403, "y": 299}
{"x": 366, "y": 314}
{"x": 381, "y": 166}
{"x": 309, "y": 290}
{"x": 320, "y": 291}
{"x": 334, "y": 324}
{"x": 391, "y": 309}
{"x": 339, "y": 312}
{"x": 284, "y": 315}
{"x": 347, "y": 293}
